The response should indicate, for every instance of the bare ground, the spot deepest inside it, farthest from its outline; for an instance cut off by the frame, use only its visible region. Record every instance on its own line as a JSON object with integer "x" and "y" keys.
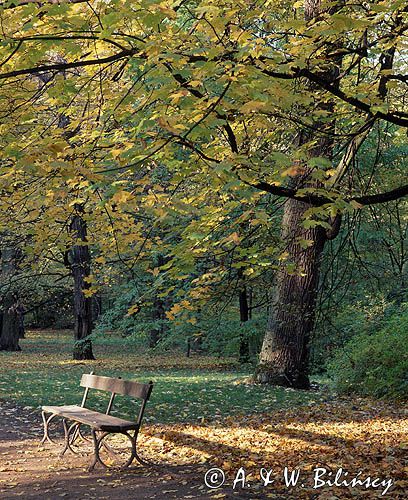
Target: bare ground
{"x": 31, "y": 470}
{"x": 358, "y": 435}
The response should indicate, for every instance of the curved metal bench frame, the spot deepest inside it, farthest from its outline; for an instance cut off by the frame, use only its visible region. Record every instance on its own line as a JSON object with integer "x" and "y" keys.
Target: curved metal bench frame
{"x": 73, "y": 432}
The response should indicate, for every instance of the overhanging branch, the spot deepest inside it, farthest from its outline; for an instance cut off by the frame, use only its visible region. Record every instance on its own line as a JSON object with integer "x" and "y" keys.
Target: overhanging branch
{"x": 64, "y": 66}
{"x": 21, "y": 3}
{"x": 374, "y": 199}
{"x": 316, "y": 200}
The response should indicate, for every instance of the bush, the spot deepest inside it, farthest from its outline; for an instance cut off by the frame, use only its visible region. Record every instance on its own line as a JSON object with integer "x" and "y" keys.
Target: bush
{"x": 219, "y": 335}
{"x": 375, "y": 363}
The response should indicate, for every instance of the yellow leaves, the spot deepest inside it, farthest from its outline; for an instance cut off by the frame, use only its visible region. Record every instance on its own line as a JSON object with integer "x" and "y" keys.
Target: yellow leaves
{"x": 170, "y": 316}
{"x": 89, "y": 292}
{"x": 121, "y": 197}
{"x": 235, "y": 238}
{"x": 356, "y": 205}
{"x": 154, "y": 271}
{"x": 360, "y": 442}
{"x": 116, "y": 152}
{"x": 164, "y": 8}
{"x": 176, "y": 96}
{"x": 76, "y": 201}
{"x": 171, "y": 124}
{"x": 283, "y": 256}
{"x": 57, "y": 147}
{"x": 178, "y": 308}
{"x": 252, "y": 106}
{"x": 133, "y": 310}
{"x": 260, "y": 218}
{"x": 195, "y": 83}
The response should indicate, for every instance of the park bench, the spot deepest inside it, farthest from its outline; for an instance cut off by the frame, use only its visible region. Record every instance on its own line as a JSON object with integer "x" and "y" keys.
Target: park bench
{"x": 100, "y": 424}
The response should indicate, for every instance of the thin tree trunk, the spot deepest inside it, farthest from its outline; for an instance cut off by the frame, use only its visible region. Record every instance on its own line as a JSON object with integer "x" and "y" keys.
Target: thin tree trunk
{"x": 10, "y": 324}
{"x": 244, "y": 356}
{"x": 157, "y": 330}
{"x": 21, "y": 327}
{"x": 159, "y": 313}
{"x": 79, "y": 256}
{"x": 80, "y": 263}
{"x": 96, "y": 307}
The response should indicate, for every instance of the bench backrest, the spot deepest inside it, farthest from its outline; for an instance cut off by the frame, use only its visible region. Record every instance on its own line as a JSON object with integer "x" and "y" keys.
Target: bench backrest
{"x": 117, "y": 386}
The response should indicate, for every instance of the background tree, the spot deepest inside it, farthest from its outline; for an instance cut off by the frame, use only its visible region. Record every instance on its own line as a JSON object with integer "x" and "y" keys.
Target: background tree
{"x": 248, "y": 99}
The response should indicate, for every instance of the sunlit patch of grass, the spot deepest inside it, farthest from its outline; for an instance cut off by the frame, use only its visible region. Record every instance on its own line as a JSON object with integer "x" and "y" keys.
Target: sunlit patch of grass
{"x": 193, "y": 389}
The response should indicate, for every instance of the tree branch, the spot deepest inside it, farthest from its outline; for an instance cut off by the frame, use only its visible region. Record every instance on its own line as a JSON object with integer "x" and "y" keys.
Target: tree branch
{"x": 64, "y": 66}
{"x": 21, "y": 3}
{"x": 373, "y": 199}
{"x": 316, "y": 200}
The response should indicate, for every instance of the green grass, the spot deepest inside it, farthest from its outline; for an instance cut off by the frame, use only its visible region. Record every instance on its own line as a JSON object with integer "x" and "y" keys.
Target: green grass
{"x": 186, "y": 389}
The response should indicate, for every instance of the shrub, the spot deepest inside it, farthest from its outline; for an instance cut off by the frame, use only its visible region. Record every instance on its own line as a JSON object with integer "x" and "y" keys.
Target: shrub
{"x": 375, "y": 363}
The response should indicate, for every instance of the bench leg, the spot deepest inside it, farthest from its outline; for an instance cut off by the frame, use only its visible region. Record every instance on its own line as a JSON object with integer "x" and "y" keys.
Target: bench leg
{"x": 98, "y": 443}
{"x": 78, "y": 435}
{"x": 69, "y": 441}
{"x": 96, "y": 459}
{"x": 137, "y": 456}
{"x": 133, "y": 453}
{"x": 47, "y": 421}
{"x": 141, "y": 460}
{"x": 84, "y": 438}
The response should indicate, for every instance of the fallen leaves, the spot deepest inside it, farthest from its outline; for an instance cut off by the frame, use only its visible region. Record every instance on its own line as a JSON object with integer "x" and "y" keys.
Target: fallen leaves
{"x": 332, "y": 435}
{"x": 355, "y": 434}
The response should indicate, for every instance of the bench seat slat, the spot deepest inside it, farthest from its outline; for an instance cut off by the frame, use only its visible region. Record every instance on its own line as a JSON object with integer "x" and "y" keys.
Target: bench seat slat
{"x": 94, "y": 419}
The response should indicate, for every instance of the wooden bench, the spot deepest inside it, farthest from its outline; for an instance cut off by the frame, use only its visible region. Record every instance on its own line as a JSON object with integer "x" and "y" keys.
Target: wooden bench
{"x": 101, "y": 424}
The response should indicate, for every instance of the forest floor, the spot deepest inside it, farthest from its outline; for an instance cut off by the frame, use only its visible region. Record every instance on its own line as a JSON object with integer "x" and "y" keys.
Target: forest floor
{"x": 296, "y": 430}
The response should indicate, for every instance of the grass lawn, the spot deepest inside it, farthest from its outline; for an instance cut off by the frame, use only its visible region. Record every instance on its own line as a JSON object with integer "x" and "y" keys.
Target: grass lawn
{"x": 194, "y": 389}
{"x": 203, "y": 412}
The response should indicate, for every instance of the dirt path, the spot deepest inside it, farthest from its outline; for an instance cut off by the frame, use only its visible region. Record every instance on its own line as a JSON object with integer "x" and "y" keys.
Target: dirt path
{"x": 30, "y": 470}
{"x": 361, "y": 438}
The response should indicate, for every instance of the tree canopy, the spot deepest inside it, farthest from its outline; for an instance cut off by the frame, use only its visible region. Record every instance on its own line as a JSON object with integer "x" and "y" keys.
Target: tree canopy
{"x": 179, "y": 127}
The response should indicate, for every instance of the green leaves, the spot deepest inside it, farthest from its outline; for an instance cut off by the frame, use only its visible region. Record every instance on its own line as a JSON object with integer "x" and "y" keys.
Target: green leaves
{"x": 161, "y": 115}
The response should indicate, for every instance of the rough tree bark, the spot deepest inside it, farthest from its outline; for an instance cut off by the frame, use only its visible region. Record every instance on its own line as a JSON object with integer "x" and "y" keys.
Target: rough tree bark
{"x": 80, "y": 264}
{"x": 284, "y": 354}
{"x": 285, "y": 351}
{"x": 10, "y": 314}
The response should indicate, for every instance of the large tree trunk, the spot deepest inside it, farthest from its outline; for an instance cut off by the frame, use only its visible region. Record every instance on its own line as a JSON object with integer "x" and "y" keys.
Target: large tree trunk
{"x": 284, "y": 355}
{"x": 80, "y": 263}
{"x": 10, "y": 317}
{"x": 285, "y": 351}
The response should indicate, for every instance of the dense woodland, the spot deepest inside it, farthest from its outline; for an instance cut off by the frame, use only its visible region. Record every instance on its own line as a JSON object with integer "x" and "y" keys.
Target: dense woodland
{"x": 210, "y": 177}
